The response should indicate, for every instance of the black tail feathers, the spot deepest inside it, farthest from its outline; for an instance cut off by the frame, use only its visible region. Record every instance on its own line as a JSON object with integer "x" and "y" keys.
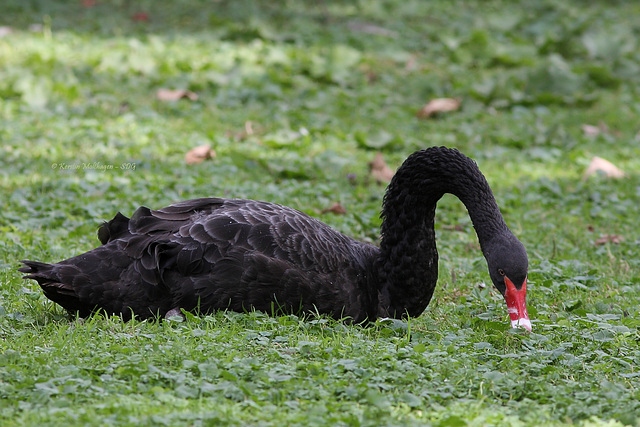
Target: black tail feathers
{"x": 49, "y": 278}
{"x": 36, "y": 270}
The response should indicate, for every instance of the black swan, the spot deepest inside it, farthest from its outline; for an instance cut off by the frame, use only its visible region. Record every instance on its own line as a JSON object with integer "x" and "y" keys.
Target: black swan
{"x": 207, "y": 254}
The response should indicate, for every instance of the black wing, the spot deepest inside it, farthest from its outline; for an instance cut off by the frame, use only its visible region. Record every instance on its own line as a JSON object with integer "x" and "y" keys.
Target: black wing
{"x": 212, "y": 254}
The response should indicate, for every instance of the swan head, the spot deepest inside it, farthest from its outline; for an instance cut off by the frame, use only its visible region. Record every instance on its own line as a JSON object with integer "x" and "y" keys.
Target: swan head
{"x": 508, "y": 265}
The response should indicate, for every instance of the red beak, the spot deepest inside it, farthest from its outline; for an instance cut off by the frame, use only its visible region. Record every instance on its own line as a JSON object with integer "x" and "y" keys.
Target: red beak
{"x": 516, "y": 304}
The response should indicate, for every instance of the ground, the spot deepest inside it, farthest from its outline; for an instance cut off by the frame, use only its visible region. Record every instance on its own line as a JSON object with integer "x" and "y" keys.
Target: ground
{"x": 296, "y": 98}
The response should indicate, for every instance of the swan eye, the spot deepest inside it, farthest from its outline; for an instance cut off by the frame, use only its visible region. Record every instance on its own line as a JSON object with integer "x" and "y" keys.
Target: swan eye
{"x": 501, "y": 272}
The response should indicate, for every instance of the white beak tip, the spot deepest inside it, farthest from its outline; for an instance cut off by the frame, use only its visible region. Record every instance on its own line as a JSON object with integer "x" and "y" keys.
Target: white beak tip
{"x": 522, "y": 323}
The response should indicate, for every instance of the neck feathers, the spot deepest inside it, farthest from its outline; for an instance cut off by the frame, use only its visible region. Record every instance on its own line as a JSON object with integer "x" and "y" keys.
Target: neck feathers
{"x": 408, "y": 264}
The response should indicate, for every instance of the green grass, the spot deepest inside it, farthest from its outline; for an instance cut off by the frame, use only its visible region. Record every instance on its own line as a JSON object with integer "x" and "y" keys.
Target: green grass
{"x": 322, "y": 95}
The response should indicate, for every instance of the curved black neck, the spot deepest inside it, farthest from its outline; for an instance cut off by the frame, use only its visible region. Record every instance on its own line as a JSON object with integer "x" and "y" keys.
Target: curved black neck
{"x": 408, "y": 262}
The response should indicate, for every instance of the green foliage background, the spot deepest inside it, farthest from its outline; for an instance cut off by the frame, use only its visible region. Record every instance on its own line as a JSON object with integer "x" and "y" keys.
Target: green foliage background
{"x": 296, "y": 97}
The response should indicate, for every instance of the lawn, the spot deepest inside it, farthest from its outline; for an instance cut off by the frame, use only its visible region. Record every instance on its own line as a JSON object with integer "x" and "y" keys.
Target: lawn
{"x": 296, "y": 98}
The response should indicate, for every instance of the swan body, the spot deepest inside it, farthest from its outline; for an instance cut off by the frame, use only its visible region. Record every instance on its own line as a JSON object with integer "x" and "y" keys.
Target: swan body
{"x": 208, "y": 254}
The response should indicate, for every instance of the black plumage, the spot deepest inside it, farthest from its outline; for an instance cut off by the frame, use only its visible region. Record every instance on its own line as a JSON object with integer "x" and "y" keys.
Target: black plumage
{"x": 209, "y": 254}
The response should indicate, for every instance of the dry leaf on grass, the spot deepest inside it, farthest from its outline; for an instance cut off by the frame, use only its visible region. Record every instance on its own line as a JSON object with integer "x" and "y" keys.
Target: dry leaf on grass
{"x": 411, "y": 64}
{"x": 379, "y": 169}
{"x": 250, "y": 129}
{"x": 5, "y": 31}
{"x": 199, "y": 154}
{"x": 599, "y": 164}
{"x": 140, "y": 17}
{"x": 336, "y": 208}
{"x": 175, "y": 94}
{"x": 439, "y": 105}
{"x": 591, "y": 130}
{"x": 609, "y": 238}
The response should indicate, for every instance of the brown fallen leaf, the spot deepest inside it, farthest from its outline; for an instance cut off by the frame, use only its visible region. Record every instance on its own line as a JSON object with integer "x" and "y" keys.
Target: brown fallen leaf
{"x": 439, "y": 105}
{"x": 336, "y": 208}
{"x": 371, "y": 76}
{"x": 140, "y": 17}
{"x": 591, "y": 130}
{"x": 5, "y": 31}
{"x": 250, "y": 129}
{"x": 609, "y": 238}
{"x": 379, "y": 169}
{"x": 599, "y": 164}
{"x": 411, "y": 64}
{"x": 199, "y": 154}
{"x": 175, "y": 94}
